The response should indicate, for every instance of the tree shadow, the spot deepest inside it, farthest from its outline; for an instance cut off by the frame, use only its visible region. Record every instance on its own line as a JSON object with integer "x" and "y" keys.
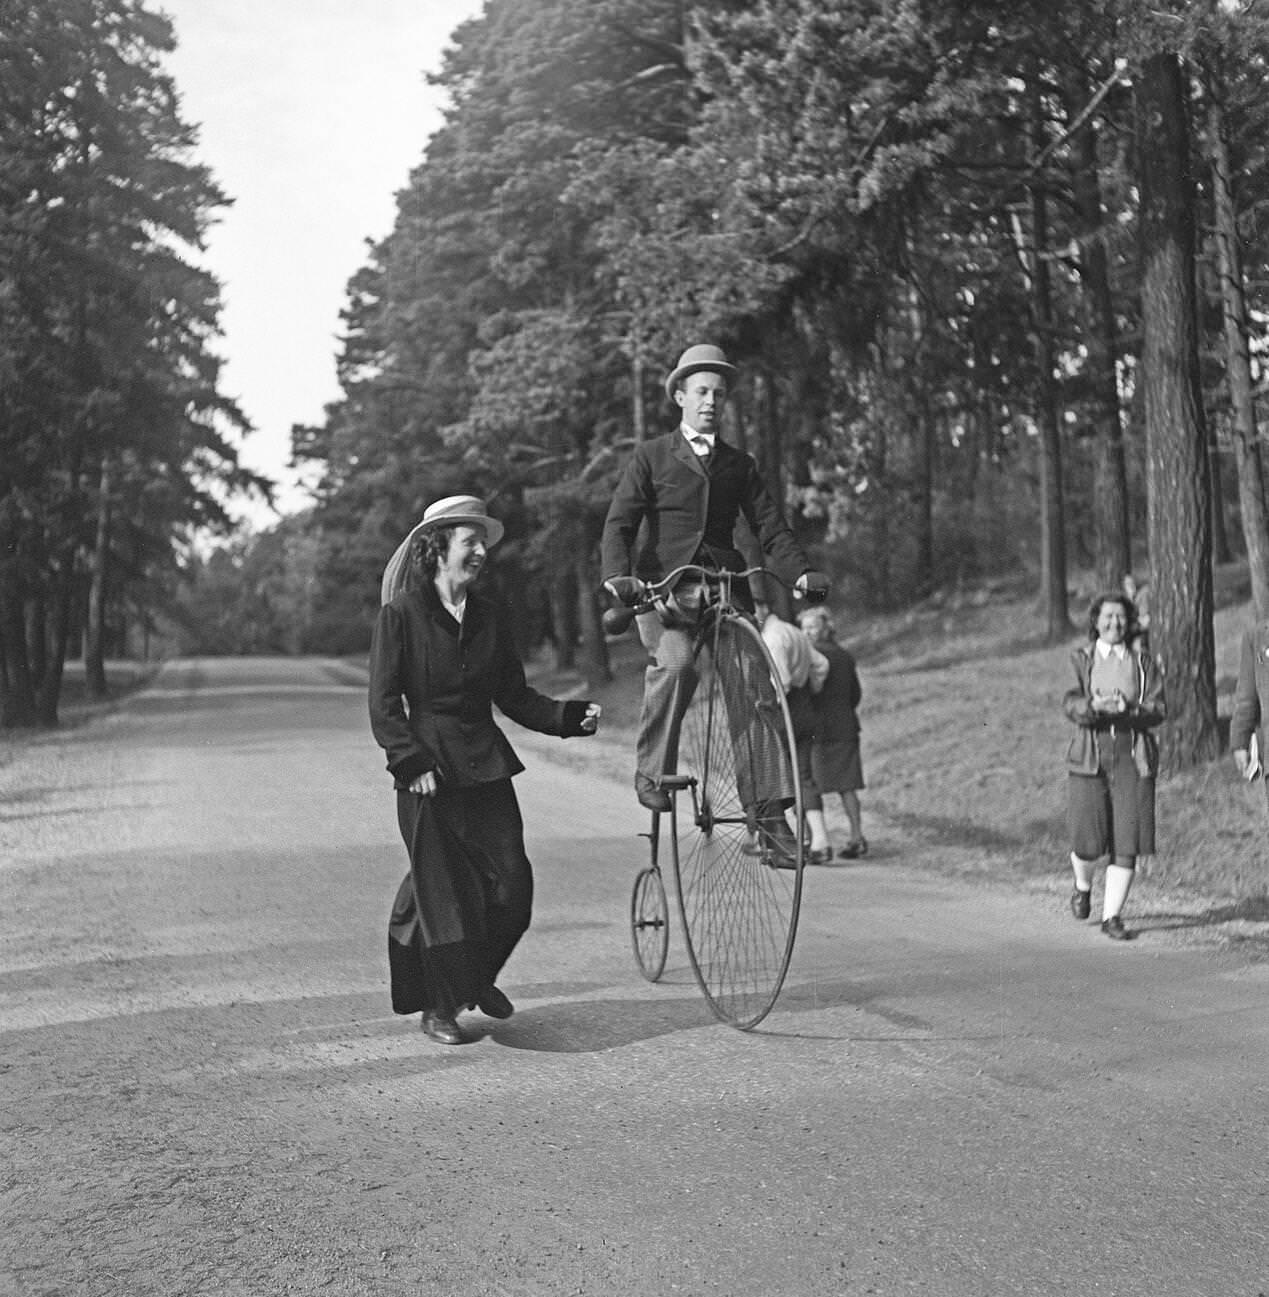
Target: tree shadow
{"x": 1251, "y": 909}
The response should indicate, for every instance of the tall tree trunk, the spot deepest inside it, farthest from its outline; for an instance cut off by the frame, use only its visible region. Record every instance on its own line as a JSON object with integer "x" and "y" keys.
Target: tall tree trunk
{"x": 923, "y": 491}
{"x": 1221, "y": 552}
{"x": 1177, "y": 473}
{"x": 594, "y": 656}
{"x": 95, "y": 631}
{"x": 1112, "y": 539}
{"x": 562, "y": 593}
{"x": 1055, "y": 607}
{"x": 769, "y": 451}
{"x": 921, "y": 424}
{"x": 17, "y": 701}
{"x": 639, "y": 410}
{"x": 36, "y": 612}
{"x": 1247, "y": 456}
{"x": 879, "y": 500}
{"x": 49, "y": 693}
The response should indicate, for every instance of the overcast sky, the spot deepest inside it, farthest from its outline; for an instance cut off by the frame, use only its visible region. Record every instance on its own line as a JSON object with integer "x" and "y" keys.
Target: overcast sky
{"x": 312, "y": 114}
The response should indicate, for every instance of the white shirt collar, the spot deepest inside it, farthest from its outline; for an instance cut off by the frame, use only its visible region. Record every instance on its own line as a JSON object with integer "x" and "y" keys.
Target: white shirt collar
{"x": 1104, "y": 650}
{"x": 692, "y": 433}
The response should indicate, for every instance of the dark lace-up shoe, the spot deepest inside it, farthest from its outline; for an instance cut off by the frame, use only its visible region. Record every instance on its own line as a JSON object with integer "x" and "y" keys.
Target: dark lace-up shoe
{"x": 1115, "y": 930}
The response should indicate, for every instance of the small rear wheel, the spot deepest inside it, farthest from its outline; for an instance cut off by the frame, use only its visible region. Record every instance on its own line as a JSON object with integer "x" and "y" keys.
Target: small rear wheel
{"x": 649, "y": 923}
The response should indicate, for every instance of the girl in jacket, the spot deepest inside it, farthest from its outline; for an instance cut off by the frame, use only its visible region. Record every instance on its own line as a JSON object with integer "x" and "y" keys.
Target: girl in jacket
{"x": 441, "y": 657}
{"x": 1113, "y": 758}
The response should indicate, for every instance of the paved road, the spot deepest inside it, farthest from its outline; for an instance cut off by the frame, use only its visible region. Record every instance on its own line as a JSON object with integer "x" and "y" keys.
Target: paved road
{"x": 204, "y": 1091}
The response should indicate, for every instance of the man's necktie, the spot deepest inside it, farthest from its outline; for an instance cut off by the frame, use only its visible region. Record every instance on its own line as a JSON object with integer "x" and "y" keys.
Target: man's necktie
{"x": 702, "y": 448}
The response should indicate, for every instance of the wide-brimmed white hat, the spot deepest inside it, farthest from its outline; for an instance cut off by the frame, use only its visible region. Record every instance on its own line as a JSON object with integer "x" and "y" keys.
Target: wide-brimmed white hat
{"x": 452, "y": 511}
{"x": 703, "y": 356}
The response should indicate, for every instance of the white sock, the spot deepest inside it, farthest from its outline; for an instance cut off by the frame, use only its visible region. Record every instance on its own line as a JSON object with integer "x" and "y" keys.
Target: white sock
{"x": 819, "y": 830}
{"x": 1118, "y": 884}
{"x": 1083, "y": 873}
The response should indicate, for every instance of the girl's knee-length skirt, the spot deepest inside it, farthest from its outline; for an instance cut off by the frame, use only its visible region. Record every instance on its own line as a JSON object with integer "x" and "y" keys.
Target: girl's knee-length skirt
{"x": 836, "y": 766}
{"x": 1113, "y": 810}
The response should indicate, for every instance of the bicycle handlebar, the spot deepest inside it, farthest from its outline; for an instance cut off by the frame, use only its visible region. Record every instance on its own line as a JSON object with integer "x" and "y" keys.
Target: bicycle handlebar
{"x": 617, "y": 620}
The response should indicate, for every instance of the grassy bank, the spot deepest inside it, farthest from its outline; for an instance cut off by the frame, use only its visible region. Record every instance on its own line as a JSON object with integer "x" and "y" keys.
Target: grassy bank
{"x": 964, "y": 740}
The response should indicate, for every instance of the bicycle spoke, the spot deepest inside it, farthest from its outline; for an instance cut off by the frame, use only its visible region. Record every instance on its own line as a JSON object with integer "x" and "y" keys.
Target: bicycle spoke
{"x": 739, "y": 910}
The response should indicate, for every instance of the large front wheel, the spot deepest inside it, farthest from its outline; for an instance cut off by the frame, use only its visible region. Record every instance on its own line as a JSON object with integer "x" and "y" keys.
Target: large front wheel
{"x": 736, "y": 840}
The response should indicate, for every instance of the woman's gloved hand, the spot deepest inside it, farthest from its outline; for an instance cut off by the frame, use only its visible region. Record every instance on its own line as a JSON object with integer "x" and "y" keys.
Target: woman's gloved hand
{"x": 581, "y": 718}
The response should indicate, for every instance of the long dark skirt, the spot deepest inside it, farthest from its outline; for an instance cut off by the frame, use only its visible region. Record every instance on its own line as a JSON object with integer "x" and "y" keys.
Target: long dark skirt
{"x": 466, "y": 901}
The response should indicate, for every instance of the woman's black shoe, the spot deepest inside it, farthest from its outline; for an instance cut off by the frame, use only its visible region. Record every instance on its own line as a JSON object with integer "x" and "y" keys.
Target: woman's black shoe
{"x": 1115, "y": 930}
{"x": 443, "y": 1030}
{"x": 1081, "y": 903}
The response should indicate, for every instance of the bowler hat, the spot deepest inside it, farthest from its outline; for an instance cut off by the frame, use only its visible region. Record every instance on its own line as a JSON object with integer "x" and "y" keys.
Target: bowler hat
{"x": 693, "y": 360}
{"x": 452, "y": 511}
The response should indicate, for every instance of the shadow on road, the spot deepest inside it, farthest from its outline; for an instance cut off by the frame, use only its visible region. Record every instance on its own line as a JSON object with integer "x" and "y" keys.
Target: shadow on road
{"x": 1252, "y": 909}
{"x": 587, "y": 1027}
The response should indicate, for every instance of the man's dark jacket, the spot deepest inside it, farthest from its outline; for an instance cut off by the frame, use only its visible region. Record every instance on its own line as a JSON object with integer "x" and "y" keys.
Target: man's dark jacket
{"x": 691, "y": 512}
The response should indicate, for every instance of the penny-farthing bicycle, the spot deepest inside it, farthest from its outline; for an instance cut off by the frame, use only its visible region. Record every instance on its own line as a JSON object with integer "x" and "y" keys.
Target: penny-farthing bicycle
{"x": 738, "y": 877}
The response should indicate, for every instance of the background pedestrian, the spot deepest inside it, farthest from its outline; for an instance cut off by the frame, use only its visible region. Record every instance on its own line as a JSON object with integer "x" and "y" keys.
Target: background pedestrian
{"x": 836, "y": 764}
{"x": 1113, "y": 759}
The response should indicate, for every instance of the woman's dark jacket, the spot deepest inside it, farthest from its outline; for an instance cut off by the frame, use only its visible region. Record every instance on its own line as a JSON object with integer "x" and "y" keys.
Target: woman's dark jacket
{"x": 432, "y": 685}
{"x": 1145, "y": 711}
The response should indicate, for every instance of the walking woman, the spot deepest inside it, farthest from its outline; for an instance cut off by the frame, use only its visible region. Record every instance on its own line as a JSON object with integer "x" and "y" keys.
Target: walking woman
{"x": 1113, "y": 758}
{"x": 441, "y": 656}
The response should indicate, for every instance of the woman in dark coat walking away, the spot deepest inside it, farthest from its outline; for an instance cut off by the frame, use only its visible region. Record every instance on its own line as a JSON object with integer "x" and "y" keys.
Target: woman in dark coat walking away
{"x": 442, "y": 654}
{"x": 1113, "y": 758}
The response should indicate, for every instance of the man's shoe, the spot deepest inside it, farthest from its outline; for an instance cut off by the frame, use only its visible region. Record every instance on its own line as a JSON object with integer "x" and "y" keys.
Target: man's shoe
{"x": 779, "y": 846}
{"x": 853, "y": 850}
{"x": 822, "y": 857}
{"x": 1115, "y": 930}
{"x": 442, "y": 1029}
{"x": 1082, "y": 904}
{"x": 493, "y": 1004}
{"x": 651, "y": 795}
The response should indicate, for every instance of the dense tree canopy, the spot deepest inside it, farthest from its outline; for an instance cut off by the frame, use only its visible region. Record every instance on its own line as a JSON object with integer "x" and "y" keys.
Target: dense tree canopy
{"x": 915, "y": 226}
{"x": 112, "y": 429}
{"x": 918, "y": 228}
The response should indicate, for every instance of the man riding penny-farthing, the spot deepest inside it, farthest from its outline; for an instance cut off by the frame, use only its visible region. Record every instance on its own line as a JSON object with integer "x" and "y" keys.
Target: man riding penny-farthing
{"x": 715, "y": 746}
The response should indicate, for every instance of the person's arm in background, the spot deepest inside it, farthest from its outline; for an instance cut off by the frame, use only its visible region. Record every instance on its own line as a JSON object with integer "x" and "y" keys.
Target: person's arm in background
{"x": 819, "y": 670}
{"x": 1246, "y": 717}
{"x": 780, "y": 646}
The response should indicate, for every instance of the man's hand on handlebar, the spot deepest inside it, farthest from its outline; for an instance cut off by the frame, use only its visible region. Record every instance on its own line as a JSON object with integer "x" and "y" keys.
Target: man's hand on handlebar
{"x": 628, "y": 590}
{"x": 812, "y": 586}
